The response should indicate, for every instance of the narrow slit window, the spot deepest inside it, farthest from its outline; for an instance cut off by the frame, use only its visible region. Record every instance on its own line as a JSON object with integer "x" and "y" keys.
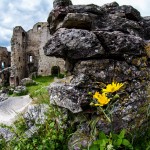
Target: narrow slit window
{"x": 39, "y": 27}
{"x": 30, "y": 59}
{"x": 3, "y": 65}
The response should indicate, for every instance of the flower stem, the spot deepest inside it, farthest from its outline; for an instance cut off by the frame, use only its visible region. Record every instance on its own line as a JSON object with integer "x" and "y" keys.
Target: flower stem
{"x": 105, "y": 114}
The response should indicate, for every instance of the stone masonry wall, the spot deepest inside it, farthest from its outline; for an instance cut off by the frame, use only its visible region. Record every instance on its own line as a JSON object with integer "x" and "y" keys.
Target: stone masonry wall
{"x": 4, "y": 58}
{"x": 27, "y": 53}
{"x": 18, "y": 55}
{"x": 4, "y": 66}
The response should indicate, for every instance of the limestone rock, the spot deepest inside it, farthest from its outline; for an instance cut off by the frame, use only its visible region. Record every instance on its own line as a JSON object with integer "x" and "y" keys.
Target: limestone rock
{"x": 65, "y": 43}
{"x": 77, "y": 20}
{"x": 130, "y": 13}
{"x": 35, "y": 114}
{"x": 20, "y": 89}
{"x": 146, "y": 25}
{"x": 58, "y": 3}
{"x": 113, "y": 47}
{"x": 27, "y": 81}
{"x": 10, "y": 108}
{"x": 118, "y": 43}
{"x": 3, "y": 96}
{"x": 6, "y": 134}
{"x": 65, "y": 96}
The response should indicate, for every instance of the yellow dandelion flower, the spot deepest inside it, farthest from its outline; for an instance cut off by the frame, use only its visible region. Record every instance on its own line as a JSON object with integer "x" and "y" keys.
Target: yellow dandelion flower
{"x": 110, "y": 88}
{"x": 101, "y": 98}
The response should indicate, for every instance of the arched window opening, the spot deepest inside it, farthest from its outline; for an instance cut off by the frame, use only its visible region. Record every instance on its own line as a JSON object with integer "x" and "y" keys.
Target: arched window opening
{"x": 30, "y": 59}
{"x": 23, "y": 34}
{"x": 39, "y": 27}
{"x": 3, "y": 65}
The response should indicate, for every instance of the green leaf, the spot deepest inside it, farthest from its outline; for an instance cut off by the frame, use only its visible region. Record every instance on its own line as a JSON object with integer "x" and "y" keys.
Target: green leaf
{"x": 102, "y": 135}
{"x": 103, "y": 142}
{"x": 52, "y": 124}
{"x": 122, "y": 133}
{"x": 118, "y": 142}
{"x": 126, "y": 143}
{"x": 54, "y": 137}
{"x": 114, "y": 136}
{"x": 94, "y": 147}
{"x": 97, "y": 142}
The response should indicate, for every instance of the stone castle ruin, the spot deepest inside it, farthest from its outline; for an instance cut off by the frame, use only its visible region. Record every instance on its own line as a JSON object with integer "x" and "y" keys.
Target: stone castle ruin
{"x": 99, "y": 44}
{"x": 27, "y": 55}
{"x": 4, "y": 65}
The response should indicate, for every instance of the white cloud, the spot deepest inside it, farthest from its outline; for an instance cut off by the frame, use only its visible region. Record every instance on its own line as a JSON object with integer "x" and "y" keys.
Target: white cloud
{"x": 8, "y": 48}
{"x": 23, "y": 13}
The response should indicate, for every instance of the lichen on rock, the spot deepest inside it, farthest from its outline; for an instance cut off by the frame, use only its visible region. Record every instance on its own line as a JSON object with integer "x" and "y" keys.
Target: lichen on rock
{"x": 110, "y": 47}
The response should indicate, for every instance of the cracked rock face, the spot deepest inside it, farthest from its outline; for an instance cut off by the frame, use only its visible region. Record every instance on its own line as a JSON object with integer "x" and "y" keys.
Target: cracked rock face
{"x": 65, "y": 43}
{"x": 102, "y": 44}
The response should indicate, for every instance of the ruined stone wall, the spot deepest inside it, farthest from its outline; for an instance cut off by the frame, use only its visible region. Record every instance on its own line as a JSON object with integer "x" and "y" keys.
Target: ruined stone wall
{"x": 4, "y": 66}
{"x": 28, "y": 55}
{"x": 4, "y": 58}
{"x": 45, "y": 63}
{"x": 40, "y": 63}
{"x": 18, "y": 55}
{"x": 32, "y": 50}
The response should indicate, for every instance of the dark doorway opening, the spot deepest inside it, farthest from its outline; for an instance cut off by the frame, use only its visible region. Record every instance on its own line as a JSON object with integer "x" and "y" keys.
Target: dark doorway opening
{"x": 55, "y": 71}
{"x": 17, "y": 81}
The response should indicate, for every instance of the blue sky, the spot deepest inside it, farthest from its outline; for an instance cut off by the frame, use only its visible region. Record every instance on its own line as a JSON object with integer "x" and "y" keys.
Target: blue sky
{"x": 26, "y": 13}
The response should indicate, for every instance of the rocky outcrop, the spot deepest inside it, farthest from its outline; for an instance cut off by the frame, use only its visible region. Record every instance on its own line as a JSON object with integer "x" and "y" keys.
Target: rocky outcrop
{"x": 101, "y": 44}
{"x": 27, "y": 81}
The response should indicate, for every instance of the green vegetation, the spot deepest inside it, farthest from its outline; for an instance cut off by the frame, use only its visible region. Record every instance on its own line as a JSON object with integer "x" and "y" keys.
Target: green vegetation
{"x": 112, "y": 142}
{"x": 58, "y": 127}
{"x": 39, "y": 91}
{"x": 51, "y": 135}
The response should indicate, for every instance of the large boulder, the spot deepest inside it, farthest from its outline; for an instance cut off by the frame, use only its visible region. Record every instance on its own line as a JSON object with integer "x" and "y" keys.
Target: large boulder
{"x": 27, "y": 81}
{"x": 112, "y": 46}
{"x": 59, "y": 3}
{"x": 65, "y": 43}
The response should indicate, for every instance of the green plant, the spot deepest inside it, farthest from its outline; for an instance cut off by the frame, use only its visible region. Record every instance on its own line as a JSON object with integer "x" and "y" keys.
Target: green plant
{"x": 39, "y": 91}
{"x": 107, "y": 98}
{"x": 51, "y": 135}
{"x": 111, "y": 142}
{"x": 60, "y": 75}
{"x": 25, "y": 92}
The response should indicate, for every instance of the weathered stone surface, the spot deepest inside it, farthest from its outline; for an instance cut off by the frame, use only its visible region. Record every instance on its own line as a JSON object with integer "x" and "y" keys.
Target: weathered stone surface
{"x": 82, "y": 134}
{"x": 114, "y": 48}
{"x": 59, "y": 3}
{"x": 3, "y": 96}
{"x": 66, "y": 44}
{"x": 147, "y": 48}
{"x": 130, "y": 13}
{"x": 10, "y": 108}
{"x": 35, "y": 114}
{"x": 118, "y": 43}
{"x": 27, "y": 81}
{"x": 6, "y": 134}
{"x": 4, "y": 66}
{"x": 109, "y": 17}
{"x": 66, "y": 96}
{"x": 20, "y": 89}
{"x": 77, "y": 20}
{"x": 146, "y": 26}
